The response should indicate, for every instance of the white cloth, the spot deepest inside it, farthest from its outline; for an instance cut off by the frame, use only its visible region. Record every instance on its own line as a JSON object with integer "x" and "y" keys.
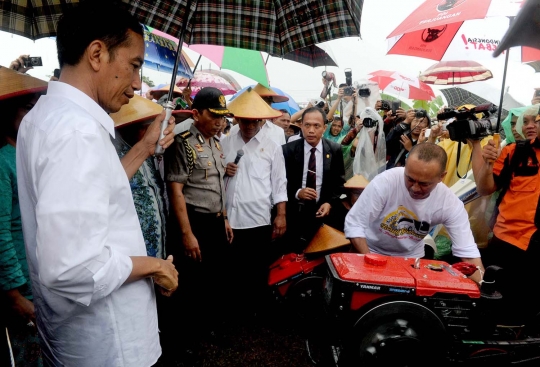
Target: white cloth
{"x": 259, "y": 181}
{"x": 80, "y": 227}
{"x": 318, "y": 164}
{"x": 294, "y": 137}
{"x": 183, "y": 126}
{"x": 367, "y": 161}
{"x": 271, "y": 130}
{"x": 395, "y": 224}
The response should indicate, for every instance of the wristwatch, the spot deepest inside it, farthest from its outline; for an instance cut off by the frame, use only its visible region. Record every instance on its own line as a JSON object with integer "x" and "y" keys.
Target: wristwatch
{"x": 225, "y": 217}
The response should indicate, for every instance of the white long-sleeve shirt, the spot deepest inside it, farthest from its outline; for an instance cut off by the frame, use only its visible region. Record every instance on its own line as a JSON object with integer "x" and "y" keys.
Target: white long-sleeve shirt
{"x": 271, "y": 130}
{"x": 259, "y": 182}
{"x": 80, "y": 228}
{"x": 393, "y": 223}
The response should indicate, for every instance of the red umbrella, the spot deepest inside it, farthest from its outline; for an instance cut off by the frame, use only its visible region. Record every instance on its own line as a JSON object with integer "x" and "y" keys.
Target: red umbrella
{"x": 396, "y": 83}
{"x": 467, "y": 30}
{"x": 201, "y": 80}
{"x": 455, "y": 72}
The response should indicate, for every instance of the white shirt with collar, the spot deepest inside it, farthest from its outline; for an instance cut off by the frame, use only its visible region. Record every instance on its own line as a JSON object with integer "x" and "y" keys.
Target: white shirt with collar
{"x": 318, "y": 163}
{"x": 80, "y": 228}
{"x": 273, "y": 131}
{"x": 259, "y": 181}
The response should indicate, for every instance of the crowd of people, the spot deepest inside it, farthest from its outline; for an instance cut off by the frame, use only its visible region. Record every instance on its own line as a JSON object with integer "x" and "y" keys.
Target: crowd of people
{"x": 112, "y": 256}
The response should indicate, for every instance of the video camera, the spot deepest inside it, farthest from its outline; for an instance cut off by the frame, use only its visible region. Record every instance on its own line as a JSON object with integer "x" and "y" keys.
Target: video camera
{"x": 466, "y": 125}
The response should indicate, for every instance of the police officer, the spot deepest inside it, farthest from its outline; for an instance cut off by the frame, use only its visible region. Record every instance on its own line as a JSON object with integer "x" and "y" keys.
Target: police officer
{"x": 194, "y": 171}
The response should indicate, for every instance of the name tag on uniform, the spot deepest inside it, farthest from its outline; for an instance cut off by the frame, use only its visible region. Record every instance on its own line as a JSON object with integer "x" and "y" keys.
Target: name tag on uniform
{"x": 203, "y": 156}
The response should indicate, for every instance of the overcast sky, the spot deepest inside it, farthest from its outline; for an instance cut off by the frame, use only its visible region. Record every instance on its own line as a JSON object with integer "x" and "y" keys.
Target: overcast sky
{"x": 379, "y": 19}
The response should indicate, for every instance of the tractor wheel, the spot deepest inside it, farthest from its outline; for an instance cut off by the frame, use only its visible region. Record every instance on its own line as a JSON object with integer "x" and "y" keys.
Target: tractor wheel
{"x": 397, "y": 333}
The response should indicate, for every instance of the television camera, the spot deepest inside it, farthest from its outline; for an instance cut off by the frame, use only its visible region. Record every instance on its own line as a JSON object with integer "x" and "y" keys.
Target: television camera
{"x": 474, "y": 123}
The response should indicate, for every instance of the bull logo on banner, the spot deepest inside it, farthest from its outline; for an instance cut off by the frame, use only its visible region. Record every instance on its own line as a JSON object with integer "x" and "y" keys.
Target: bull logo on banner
{"x": 432, "y": 34}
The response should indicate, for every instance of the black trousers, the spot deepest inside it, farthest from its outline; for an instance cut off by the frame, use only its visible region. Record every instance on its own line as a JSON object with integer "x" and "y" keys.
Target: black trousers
{"x": 519, "y": 277}
{"x": 250, "y": 257}
{"x": 200, "y": 302}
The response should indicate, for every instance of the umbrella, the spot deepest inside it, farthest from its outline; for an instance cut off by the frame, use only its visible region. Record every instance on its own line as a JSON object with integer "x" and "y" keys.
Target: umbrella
{"x": 404, "y": 86}
{"x": 160, "y": 55}
{"x": 289, "y": 105}
{"x": 228, "y": 77}
{"x": 314, "y": 56}
{"x": 246, "y": 62}
{"x": 202, "y": 79}
{"x": 455, "y": 72}
{"x": 254, "y": 25}
{"x": 465, "y": 30}
{"x": 249, "y": 63}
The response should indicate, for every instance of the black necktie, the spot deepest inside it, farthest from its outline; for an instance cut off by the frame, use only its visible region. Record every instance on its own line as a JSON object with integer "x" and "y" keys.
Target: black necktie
{"x": 311, "y": 178}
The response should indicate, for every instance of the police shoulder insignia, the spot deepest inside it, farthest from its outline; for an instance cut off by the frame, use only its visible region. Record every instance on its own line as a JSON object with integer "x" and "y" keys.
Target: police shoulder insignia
{"x": 185, "y": 134}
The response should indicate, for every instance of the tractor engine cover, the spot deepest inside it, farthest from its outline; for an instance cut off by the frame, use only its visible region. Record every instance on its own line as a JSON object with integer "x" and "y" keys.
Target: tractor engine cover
{"x": 360, "y": 279}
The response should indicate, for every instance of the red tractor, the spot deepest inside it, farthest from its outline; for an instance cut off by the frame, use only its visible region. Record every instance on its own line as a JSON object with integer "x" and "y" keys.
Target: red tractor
{"x": 372, "y": 309}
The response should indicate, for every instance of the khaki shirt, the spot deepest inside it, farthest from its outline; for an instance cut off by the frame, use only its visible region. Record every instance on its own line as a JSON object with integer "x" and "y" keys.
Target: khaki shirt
{"x": 203, "y": 177}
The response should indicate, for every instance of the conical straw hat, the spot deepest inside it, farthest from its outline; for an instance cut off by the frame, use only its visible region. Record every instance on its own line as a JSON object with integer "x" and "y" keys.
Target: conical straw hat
{"x": 249, "y": 105}
{"x": 326, "y": 238}
{"x": 267, "y": 92}
{"x": 14, "y": 84}
{"x": 158, "y": 93}
{"x": 140, "y": 109}
{"x": 356, "y": 182}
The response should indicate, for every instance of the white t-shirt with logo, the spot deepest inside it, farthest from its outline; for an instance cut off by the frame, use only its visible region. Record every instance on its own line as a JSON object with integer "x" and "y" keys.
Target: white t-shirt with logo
{"x": 394, "y": 224}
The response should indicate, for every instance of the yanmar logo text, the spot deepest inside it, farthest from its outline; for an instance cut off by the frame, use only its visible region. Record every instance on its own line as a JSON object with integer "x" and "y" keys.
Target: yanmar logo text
{"x": 372, "y": 287}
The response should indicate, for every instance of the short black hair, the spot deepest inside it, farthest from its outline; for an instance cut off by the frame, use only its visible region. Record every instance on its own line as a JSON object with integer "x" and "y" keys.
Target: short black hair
{"x": 428, "y": 152}
{"x": 315, "y": 109}
{"x": 282, "y": 110}
{"x": 342, "y": 85}
{"x": 79, "y": 26}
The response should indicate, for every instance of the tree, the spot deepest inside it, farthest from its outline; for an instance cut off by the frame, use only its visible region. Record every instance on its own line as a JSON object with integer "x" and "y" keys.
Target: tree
{"x": 147, "y": 80}
{"x": 432, "y": 107}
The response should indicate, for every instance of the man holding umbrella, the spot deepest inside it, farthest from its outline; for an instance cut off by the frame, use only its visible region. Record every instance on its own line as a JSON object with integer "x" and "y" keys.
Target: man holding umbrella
{"x": 93, "y": 284}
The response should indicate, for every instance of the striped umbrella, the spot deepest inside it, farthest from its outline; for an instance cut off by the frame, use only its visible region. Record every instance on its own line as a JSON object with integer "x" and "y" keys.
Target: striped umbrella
{"x": 455, "y": 72}
{"x": 314, "y": 56}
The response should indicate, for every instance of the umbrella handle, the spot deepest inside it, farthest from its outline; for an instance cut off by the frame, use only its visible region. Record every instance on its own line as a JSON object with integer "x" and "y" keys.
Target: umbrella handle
{"x": 168, "y": 113}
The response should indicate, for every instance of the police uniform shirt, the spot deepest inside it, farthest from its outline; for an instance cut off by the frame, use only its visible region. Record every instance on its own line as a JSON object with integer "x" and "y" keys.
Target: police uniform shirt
{"x": 199, "y": 165}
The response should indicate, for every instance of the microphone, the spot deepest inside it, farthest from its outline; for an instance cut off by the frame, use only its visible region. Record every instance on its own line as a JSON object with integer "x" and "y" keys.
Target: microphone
{"x": 239, "y": 155}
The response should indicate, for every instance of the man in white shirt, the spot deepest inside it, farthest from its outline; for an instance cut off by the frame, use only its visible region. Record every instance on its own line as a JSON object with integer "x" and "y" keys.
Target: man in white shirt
{"x": 253, "y": 185}
{"x": 400, "y": 207}
{"x": 273, "y": 131}
{"x": 91, "y": 278}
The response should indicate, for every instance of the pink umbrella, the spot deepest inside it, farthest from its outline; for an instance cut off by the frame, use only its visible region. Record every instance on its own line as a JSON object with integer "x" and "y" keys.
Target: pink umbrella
{"x": 455, "y": 72}
{"x": 396, "y": 83}
{"x": 202, "y": 79}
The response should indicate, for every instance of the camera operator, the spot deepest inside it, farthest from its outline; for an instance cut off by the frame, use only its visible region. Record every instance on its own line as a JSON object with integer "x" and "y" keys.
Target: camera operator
{"x": 515, "y": 245}
{"x": 404, "y": 136}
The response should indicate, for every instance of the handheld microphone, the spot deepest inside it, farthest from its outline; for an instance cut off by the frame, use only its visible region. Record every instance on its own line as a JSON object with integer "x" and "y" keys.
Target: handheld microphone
{"x": 239, "y": 155}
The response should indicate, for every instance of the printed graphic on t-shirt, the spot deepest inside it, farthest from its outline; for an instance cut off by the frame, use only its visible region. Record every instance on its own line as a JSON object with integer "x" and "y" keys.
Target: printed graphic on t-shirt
{"x": 403, "y": 223}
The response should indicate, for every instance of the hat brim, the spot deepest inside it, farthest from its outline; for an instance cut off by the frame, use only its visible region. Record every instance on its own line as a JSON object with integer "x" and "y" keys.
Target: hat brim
{"x": 276, "y": 98}
{"x": 14, "y": 84}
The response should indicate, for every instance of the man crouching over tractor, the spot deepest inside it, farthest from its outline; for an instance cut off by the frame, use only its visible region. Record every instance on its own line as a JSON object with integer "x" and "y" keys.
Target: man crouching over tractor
{"x": 401, "y": 206}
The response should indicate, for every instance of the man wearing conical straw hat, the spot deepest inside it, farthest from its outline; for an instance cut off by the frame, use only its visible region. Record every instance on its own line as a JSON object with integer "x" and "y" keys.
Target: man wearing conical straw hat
{"x": 273, "y": 131}
{"x": 254, "y": 183}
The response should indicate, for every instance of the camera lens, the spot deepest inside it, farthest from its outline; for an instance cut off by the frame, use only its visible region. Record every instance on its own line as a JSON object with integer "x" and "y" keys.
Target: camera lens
{"x": 420, "y": 114}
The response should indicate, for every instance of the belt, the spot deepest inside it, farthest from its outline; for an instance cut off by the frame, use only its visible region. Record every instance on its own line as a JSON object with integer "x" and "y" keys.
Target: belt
{"x": 192, "y": 209}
